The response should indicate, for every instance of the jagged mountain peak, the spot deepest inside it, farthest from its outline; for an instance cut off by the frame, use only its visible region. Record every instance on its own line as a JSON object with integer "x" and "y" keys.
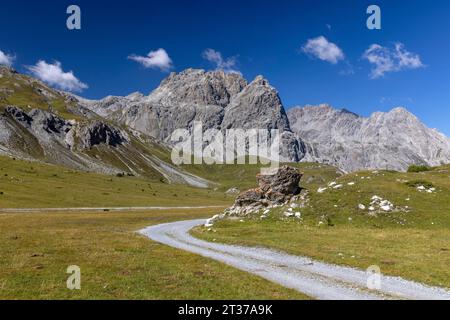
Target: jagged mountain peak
{"x": 260, "y": 81}
{"x": 218, "y": 99}
{"x": 197, "y": 86}
{"x": 402, "y": 112}
{"x": 394, "y": 139}
{"x": 323, "y": 108}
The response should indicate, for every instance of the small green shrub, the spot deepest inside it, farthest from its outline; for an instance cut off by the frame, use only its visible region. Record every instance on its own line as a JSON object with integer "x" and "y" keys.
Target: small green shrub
{"x": 417, "y": 183}
{"x": 416, "y": 168}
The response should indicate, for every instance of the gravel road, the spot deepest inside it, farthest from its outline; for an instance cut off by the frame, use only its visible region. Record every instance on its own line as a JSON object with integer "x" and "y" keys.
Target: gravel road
{"x": 316, "y": 279}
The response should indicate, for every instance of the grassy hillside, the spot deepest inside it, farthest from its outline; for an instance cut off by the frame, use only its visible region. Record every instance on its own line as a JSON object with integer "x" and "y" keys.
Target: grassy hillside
{"x": 33, "y": 184}
{"x": 23, "y": 91}
{"x": 411, "y": 241}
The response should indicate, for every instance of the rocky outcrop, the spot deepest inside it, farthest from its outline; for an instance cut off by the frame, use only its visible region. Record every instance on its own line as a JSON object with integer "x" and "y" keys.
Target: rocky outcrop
{"x": 285, "y": 181}
{"x": 274, "y": 190}
{"x": 47, "y": 126}
{"x": 392, "y": 140}
{"x": 97, "y": 133}
{"x": 84, "y": 145}
{"x": 217, "y": 99}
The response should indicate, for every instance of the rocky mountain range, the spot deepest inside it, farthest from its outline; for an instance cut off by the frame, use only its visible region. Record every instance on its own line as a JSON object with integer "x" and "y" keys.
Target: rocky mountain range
{"x": 131, "y": 134}
{"x": 43, "y": 124}
{"x": 385, "y": 140}
{"x": 219, "y": 100}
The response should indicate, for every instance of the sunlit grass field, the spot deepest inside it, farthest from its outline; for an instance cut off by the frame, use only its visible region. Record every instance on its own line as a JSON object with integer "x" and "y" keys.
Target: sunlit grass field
{"x": 413, "y": 244}
{"x": 115, "y": 261}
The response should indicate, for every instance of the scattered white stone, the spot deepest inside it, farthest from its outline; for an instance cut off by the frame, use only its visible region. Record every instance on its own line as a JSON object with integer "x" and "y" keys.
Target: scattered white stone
{"x": 288, "y": 214}
{"x": 320, "y": 223}
{"x": 298, "y": 214}
{"x": 295, "y": 205}
{"x": 376, "y": 198}
{"x": 361, "y": 206}
{"x": 209, "y": 223}
{"x": 338, "y": 186}
{"x": 407, "y": 199}
{"x": 332, "y": 184}
{"x": 266, "y": 211}
{"x": 386, "y": 208}
{"x": 351, "y": 183}
{"x": 290, "y": 209}
{"x": 385, "y": 203}
{"x": 321, "y": 190}
{"x": 335, "y": 205}
{"x": 350, "y": 218}
{"x": 424, "y": 189}
{"x": 371, "y": 208}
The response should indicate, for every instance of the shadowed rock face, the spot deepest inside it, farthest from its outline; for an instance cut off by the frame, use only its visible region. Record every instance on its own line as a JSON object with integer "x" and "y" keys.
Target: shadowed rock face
{"x": 48, "y": 127}
{"x": 276, "y": 189}
{"x": 385, "y": 140}
{"x": 18, "y": 114}
{"x": 249, "y": 197}
{"x": 97, "y": 133}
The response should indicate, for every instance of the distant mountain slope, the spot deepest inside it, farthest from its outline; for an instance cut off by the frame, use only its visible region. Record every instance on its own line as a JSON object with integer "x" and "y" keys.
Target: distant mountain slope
{"x": 131, "y": 134}
{"x": 40, "y": 123}
{"x": 392, "y": 140}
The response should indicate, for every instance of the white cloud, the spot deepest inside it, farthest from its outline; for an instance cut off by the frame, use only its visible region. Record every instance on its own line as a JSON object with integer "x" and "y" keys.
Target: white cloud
{"x": 324, "y": 50}
{"x": 6, "y": 59}
{"x": 55, "y": 76}
{"x": 158, "y": 59}
{"x": 386, "y": 60}
{"x": 228, "y": 65}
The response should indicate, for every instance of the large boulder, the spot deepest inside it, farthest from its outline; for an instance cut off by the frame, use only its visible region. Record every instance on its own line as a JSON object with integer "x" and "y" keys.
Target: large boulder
{"x": 285, "y": 181}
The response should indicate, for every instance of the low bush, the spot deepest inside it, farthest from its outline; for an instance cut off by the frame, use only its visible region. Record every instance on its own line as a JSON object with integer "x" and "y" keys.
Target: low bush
{"x": 416, "y": 168}
{"x": 417, "y": 183}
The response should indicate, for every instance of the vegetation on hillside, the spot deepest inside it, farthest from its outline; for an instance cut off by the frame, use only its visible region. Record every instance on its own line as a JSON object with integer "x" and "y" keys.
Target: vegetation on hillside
{"x": 30, "y": 184}
{"x": 412, "y": 240}
{"x": 417, "y": 168}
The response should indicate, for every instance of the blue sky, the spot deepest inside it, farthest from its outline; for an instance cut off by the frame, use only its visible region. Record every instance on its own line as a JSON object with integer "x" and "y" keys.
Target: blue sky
{"x": 260, "y": 37}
